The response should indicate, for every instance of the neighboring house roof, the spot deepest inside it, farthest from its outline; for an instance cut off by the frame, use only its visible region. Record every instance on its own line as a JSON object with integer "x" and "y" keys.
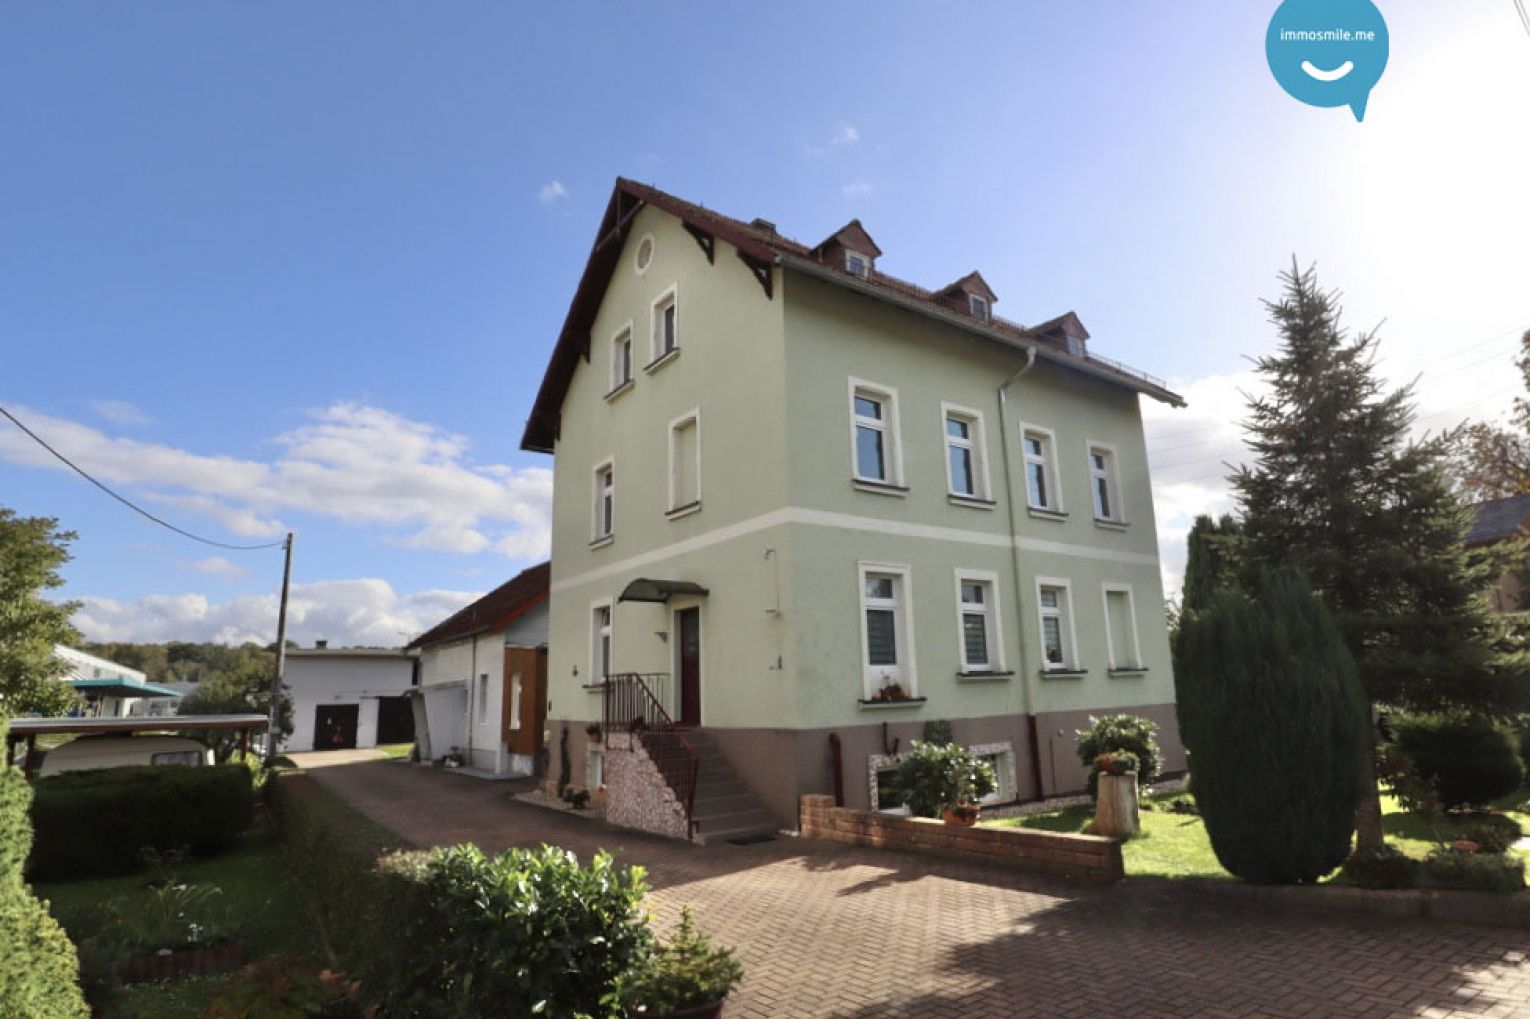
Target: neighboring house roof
{"x": 495, "y": 610}
{"x": 1498, "y": 519}
{"x": 87, "y": 666}
{"x": 761, "y": 248}
{"x": 121, "y": 688}
{"x": 402, "y": 654}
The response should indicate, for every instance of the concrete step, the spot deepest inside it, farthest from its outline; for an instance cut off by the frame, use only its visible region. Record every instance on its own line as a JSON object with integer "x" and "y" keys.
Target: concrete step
{"x": 711, "y": 804}
{"x": 728, "y": 826}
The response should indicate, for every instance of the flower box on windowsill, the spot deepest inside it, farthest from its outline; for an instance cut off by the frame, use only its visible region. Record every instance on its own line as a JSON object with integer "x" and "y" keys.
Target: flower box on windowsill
{"x": 984, "y": 676}
{"x": 878, "y": 487}
{"x": 906, "y": 702}
{"x": 661, "y": 361}
{"x": 1063, "y": 673}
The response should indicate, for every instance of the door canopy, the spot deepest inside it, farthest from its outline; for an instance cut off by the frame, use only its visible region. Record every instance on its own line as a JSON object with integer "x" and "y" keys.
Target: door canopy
{"x": 660, "y": 591}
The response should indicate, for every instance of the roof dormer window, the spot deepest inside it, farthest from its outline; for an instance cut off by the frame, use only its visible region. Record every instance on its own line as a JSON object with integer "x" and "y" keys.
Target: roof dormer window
{"x": 857, "y": 264}
{"x": 978, "y": 305}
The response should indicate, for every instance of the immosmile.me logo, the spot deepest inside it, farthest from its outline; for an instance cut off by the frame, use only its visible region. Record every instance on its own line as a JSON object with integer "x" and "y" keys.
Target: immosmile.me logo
{"x": 1328, "y": 52}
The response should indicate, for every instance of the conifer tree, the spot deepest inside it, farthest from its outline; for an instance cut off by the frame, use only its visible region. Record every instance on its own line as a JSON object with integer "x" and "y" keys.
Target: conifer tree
{"x": 1274, "y": 721}
{"x": 1339, "y": 490}
{"x": 1212, "y": 560}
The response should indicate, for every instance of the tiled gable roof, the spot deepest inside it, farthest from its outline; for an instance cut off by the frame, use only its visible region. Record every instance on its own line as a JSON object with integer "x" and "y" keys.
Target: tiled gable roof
{"x": 495, "y": 610}
{"x": 761, "y": 247}
{"x": 1498, "y": 519}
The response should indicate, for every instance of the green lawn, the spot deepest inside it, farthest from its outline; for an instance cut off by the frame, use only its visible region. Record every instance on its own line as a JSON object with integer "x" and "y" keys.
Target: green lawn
{"x": 257, "y": 890}
{"x": 1175, "y": 845}
{"x": 395, "y": 751}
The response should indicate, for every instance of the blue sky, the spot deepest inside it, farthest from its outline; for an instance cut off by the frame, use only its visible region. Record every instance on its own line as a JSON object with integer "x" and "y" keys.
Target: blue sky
{"x": 299, "y": 266}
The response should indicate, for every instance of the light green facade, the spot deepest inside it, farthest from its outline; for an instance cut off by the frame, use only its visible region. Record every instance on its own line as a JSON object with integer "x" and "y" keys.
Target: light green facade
{"x": 781, "y": 529}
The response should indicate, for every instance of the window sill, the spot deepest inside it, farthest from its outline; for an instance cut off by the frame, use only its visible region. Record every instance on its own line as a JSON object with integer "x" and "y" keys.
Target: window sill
{"x": 911, "y": 702}
{"x": 1064, "y": 673}
{"x": 661, "y": 361}
{"x": 1057, "y": 516}
{"x": 1110, "y": 525}
{"x": 970, "y": 501}
{"x": 1127, "y": 673}
{"x": 982, "y": 677}
{"x": 620, "y": 390}
{"x": 602, "y": 542}
{"x": 879, "y": 487}
{"x": 683, "y": 511}
{"x": 592, "y": 687}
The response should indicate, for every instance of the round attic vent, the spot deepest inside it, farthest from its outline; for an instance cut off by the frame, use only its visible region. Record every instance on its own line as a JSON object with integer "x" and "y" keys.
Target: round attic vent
{"x": 644, "y": 257}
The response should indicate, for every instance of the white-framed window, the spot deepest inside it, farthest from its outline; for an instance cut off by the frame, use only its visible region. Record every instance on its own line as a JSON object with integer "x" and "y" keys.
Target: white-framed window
{"x": 603, "y": 505}
{"x": 887, "y": 635}
{"x": 685, "y": 462}
{"x": 621, "y": 358}
{"x": 481, "y": 697}
{"x": 874, "y": 446}
{"x": 666, "y": 325}
{"x": 977, "y": 619}
{"x": 595, "y": 769}
{"x": 1104, "y": 488}
{"x": 1039, "y": 446}
{"x": 857, "y": 264}
{"x": 517, "y": 691}
{"x": 1121, "y": 628}
{"x": 600, "y": 641}
{"x": 966, "y": 452}
{"x": 642, "y": 258}
{"x": 978, "y": 305}
{"x": 1054, "y": 606}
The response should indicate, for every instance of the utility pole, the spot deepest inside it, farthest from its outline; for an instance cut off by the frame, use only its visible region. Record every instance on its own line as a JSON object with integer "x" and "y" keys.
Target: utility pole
{"x": 281, "y": 653}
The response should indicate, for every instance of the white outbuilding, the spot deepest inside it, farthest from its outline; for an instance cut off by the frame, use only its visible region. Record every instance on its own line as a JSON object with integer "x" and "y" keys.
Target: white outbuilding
{"x": 344, "y": 698}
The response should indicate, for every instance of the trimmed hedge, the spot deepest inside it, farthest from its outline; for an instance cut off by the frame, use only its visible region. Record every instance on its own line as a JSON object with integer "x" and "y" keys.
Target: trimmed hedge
{"x": 1469, "y": 761}
{"x": 450, "y": 933}
{"x": 39, "y": 971}
{"x": 96, "y": 823}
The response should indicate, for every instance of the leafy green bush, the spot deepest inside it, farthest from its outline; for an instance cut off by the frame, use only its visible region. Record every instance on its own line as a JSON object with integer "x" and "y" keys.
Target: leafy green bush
{"x": 1137, "y": 736}
{"x": 527, "y": 932}
{"x": 39, "y": 970}
{"x": 1274, "y": 719}
{"x": 686, "y": 971}
{"x": 1469, "y": 761}
{"x": 1493, "y": 833}
{"x": 1386, "y": 866}
{"x": 98, "y": 822}
{"x": 933, "y": 777}
{"x": 1481, "y": 872}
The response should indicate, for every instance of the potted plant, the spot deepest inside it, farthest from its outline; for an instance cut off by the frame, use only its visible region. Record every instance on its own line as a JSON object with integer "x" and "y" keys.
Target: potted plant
{"x": 891, "y": 693}
{"x": 944, "y": 780}
{"x": 684, "y": 977}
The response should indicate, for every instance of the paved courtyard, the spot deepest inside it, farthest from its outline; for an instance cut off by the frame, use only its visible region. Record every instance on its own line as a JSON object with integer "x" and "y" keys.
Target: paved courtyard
{"x": 827, "y": 930}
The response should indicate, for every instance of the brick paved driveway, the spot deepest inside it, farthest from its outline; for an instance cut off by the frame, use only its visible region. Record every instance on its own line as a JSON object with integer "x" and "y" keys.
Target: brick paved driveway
{"x": 828, "y": 930}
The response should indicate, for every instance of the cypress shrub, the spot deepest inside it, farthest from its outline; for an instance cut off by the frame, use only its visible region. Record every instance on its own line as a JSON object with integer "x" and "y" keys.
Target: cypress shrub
{"x": 1470, "y": 760}
{"x": 1273, "y": 717}
{"x": 39, "y": 971}
{"x": 92, "y": 823}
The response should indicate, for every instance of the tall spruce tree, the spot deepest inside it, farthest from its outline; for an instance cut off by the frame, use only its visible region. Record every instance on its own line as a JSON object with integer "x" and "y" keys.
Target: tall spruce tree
{"x": 1339, "y": 490}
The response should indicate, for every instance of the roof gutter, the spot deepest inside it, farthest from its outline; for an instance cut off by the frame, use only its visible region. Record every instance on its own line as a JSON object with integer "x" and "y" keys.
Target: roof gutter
{"x": 823, "y": 272}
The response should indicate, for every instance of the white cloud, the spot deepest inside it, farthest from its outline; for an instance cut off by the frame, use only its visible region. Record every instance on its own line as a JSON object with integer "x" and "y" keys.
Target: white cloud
{"x": 847, "y": 134}
{"x": 215, "y": 566}
{"x": 354, "y": 463}
{"x": 552, "y": 192}
{"x": 120, "y": 412}
{"x": 364, "y": 612}
{"x": 858, "y": 188}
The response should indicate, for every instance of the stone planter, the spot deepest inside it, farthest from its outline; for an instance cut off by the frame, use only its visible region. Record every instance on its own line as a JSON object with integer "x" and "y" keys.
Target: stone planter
{"x": 1115, "y": 811}
{"x": 155, "y": 967}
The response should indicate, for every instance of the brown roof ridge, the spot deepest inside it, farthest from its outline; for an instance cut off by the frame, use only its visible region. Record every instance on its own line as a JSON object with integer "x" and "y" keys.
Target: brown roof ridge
{"x": 495, "y": 610}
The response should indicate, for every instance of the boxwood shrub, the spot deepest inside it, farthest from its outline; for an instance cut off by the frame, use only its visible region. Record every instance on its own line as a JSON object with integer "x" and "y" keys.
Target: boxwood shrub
{"x": 93, "y": 823}
{"x": 1469, "y": 761}
{"x": 39, "y": 970}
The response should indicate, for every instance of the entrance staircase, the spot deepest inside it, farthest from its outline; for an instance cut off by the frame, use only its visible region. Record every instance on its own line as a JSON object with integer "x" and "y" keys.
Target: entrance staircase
{"x": 725, "y": 806}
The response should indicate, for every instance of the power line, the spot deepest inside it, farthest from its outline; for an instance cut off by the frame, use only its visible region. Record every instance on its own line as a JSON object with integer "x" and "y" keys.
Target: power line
{"x": 128, "y": 502}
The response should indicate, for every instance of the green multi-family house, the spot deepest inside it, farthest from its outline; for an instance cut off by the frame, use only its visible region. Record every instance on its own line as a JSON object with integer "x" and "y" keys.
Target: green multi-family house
{"x": 803, "y": 508}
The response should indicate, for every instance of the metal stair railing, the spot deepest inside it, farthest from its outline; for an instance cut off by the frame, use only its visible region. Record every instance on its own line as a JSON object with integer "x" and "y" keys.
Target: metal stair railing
{"x": 632, "y": 706}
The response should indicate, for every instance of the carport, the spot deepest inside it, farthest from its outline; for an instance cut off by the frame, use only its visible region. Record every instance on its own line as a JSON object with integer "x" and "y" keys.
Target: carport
{"x": 26, "y": 730}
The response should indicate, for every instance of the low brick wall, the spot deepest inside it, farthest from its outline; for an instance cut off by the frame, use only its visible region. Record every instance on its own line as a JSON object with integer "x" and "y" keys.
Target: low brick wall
{"x": 1081, "y": 857}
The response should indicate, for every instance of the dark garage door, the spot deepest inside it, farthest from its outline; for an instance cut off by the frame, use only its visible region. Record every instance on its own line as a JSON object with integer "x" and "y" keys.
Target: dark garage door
{"x": 334, "y": 726}
{"x": 395, "y": 720}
